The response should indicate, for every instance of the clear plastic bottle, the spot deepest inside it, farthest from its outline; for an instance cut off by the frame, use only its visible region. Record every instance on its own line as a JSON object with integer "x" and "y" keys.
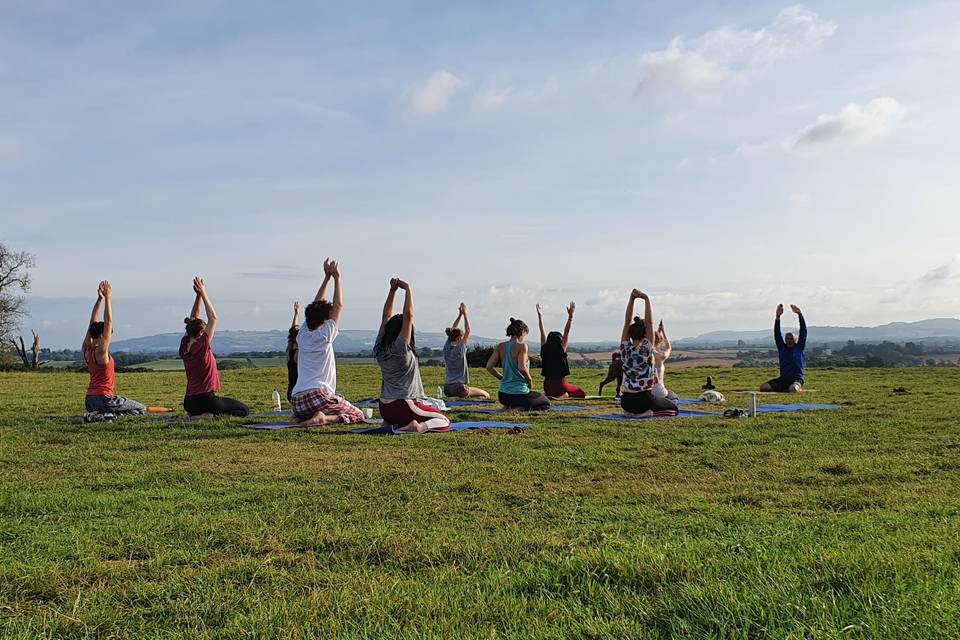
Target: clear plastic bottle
{"x": 439, "y": 393}
{"x": 276, "y": 401}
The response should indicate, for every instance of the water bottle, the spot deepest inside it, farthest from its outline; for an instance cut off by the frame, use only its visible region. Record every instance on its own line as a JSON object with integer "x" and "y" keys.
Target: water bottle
{"x": 753, "y": 404}
{"x": 439, "y": 393}
{"x": 276, "y": 401}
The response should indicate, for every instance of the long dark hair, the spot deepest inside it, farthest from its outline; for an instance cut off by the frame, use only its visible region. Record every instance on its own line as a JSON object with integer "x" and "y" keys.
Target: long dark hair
{"x": 638, "y": 329}
{"x": 553, "y": 358}
{"x": 391, "y": 331}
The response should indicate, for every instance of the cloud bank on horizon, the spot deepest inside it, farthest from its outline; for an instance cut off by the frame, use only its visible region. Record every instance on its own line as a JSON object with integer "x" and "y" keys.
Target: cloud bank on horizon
{"x": 723, "y": 158}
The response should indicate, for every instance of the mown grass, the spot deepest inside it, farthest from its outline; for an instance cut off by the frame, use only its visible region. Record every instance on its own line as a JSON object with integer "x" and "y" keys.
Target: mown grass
{"x": 806, "y": 525}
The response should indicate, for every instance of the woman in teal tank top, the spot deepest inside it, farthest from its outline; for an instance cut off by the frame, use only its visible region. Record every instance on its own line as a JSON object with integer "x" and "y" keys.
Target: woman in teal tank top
{"x": 515, "y": 381}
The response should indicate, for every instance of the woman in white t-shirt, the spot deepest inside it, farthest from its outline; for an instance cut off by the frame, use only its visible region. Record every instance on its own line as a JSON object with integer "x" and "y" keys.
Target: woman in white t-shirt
{"x": 314, "y": 398}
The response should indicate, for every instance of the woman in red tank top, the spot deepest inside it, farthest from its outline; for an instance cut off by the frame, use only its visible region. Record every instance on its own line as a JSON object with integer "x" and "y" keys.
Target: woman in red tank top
{"x": 102, "y": 400}
{"x": 200, "y": 365}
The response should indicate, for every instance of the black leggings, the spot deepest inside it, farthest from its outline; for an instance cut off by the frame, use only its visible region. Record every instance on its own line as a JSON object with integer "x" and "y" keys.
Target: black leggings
{"x": 217, "y": 405}
{"x": 532, "y": 401}
{"x": 291, "y": 378}
{"x": 645, "y": 401}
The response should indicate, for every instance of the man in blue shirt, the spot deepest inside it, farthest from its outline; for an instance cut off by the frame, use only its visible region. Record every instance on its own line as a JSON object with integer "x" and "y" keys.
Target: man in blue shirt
{"x": 792, "y": 359}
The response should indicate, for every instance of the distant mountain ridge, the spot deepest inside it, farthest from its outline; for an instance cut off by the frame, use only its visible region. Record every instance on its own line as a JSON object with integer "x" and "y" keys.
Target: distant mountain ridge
{"x": 227, "y": 342}
{"x": 920, "y": 331}
{"x": 361, "y": 341}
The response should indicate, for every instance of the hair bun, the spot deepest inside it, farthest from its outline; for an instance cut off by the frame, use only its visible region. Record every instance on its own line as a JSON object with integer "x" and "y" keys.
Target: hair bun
{"x": 512, "y": 320}
{"x": 448, "y": 331}
{"x": 186, "y": 320}
{"x": 636, "y": 318}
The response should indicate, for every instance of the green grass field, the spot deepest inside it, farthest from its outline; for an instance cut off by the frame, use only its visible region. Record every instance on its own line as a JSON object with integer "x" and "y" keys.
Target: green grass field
{"x": 840, "y": 524}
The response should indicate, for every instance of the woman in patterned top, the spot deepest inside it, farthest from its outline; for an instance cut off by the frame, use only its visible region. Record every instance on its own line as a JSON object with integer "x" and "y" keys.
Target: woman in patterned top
{"x": 639, "y": 366}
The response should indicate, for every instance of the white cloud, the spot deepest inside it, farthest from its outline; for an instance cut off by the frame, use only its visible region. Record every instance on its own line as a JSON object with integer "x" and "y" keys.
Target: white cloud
{"x": 432, "y": 96}
{"x": 728, "y": 53}
{"x": 489, "y": 99}
{"x": 854, "y": 123}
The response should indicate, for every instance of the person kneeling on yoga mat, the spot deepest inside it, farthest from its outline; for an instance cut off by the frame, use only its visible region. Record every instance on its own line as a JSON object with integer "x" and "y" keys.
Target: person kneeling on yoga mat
{"x": 791, "y": 353}
{"x": 515, "y": 381}
{"x": 639, "y": 364}
{"x": 401, "y": 393}
{"x": 314, "y": 397}
{"x": 200, "y": 364}
{"x": 457, "y": 377}
{"x": 102, "y": 402}
{"x": 553, "y": 357}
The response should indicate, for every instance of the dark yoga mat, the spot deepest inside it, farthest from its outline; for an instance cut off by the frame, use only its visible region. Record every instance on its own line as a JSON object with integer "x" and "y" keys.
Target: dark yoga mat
{"x": 387, "y": 430}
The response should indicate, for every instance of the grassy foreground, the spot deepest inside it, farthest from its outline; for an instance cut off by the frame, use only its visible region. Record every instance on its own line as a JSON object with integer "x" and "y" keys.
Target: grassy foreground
{"x": 814, "y": 525}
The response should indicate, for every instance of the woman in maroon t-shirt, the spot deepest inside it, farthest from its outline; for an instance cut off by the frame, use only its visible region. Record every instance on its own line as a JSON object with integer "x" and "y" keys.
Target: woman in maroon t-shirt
{"x": 203, "y": 380}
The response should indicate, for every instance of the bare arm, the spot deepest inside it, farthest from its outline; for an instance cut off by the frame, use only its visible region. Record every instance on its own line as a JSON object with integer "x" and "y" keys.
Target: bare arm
{"x": 566, "y": 328}
{"x": 523, "y": 355}
{"x": 195, "y": 309}
{"x": 543, "y": 334}
{"x": 208, "y": 307}
{"x": 388, "y": 305}
{"x": 337, "y": 292}
{"x": 628, "y": 316}
{"x": 647, "y": 317}
{"x": 493, "y": 361}
{"x": 406, "y": 331}
{"x": 667, "y": 349}
{"x": 456, "y": 322}
{"x": 104, "y": 349}
{"x": 466, "y": 323}
{"x": 94, "y": 316}
{"x": 296, "y": 316}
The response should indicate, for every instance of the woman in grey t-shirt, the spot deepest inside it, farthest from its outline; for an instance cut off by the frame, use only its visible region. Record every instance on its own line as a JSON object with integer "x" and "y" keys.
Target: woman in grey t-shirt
{"x": 455, "y": 357}
{"x": 401, "y": 394}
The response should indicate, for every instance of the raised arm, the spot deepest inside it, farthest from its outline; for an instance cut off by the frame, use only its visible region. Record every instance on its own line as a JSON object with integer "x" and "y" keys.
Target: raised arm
{"x": 466, "y": 323}
{"x": 777, "y": 336}
{"x": 647, "y": 317}
{"x": 337, "y": 292}
{"x": 566, "y": 328}
{"x": 94, "y": 315}
{"x": 802, "y": 339}
{"x": 195, "y": 309}
{"x": 456, "y": 322}
{"x": 296, "y": 316}
{"x": 207, "y": 305}
{"x": 406, "y": 330}
{"x": 322, "y": 291}
{"x": 543, "y": 333}
{"x": 388, "y": 304}
{"x": 104, "y": 348}
{"x": 666, "y": 347}
{"x": 628, "y": 316}
{"x": 493, "y": 361}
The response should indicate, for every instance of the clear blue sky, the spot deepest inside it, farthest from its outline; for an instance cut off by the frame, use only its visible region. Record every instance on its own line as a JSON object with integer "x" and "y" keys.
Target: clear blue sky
{"x": 723, "y": 158}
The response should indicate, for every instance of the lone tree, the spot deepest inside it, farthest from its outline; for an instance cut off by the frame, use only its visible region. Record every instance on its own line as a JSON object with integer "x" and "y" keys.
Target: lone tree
{"x": 14, "y": 282}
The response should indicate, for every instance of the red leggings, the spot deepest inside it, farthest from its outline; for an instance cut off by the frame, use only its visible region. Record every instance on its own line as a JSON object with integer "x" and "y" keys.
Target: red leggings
{"x": 556, "y": 388}
{"x": 402, "y": 412}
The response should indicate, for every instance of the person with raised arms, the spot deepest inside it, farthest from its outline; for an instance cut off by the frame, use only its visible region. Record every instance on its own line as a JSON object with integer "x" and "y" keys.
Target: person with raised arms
{"x": 102, "y": 402}
{"x": 457, "y": 376}
{"x": 639, "y": 365}
{"x": 554, "y": 364}
{"x": 515, "y": 381}
{"x": 662, "y": 353}
{"x": 402, "y": 399}
{"x": 791, "y": 355}
{"x": 292, "y": 350}
{"x": 200, "y": 365}
{"x": 314, "y": 398}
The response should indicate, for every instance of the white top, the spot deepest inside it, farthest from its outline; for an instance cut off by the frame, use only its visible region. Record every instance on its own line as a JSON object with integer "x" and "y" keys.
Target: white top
{"x": 659, "y": 390}
{"x": 316, "y": 365}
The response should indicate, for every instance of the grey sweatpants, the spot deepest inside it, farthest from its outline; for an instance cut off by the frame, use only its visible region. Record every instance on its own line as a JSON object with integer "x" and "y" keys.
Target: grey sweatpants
{"x": 117, "y": 405}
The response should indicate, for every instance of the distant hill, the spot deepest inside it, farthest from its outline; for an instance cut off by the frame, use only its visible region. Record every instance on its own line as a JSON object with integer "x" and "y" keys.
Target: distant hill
{"x": 935, "y": 330}
{"x": 227, "y": 342}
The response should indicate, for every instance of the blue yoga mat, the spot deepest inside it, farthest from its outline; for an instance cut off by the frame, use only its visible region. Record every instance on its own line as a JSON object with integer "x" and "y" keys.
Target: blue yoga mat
{"x": 800, "y": 406}
{"x": 387, "y": 430}
{"x": 555, "y": 407}
{"x": 683, "y": 413}
{"x": 273, "y": 426}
